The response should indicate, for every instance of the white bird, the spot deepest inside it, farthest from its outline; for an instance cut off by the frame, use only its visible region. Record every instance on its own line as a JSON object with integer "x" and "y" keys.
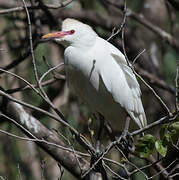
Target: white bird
{"x": 98, "y": 73}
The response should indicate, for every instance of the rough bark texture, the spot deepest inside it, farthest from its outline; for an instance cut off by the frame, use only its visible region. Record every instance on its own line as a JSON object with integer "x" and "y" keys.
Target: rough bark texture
{"x": 64, "y": 157}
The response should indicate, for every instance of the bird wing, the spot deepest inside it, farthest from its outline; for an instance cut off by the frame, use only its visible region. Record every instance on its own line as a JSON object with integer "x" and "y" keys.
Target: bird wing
{"x": 126, "y": 91}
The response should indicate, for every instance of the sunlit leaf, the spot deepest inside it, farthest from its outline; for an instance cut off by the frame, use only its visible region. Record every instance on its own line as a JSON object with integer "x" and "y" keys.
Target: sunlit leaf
{"x": 145, "y": 146}
{"x": 174, "y": 126}
{"x": 92, "y": 132}
{"x": 161, "y": 148}
{"x": 90, "y": 120}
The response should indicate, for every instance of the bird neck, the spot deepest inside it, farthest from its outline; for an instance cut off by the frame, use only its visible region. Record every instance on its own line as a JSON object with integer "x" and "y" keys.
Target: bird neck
{"x": 82, "y": 42}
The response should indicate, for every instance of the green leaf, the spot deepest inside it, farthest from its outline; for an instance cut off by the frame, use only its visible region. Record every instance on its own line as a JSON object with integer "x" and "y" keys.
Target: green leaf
{"x": 174, "y": 126}
{"x": 123, "y": 160}
{"x": 173, "y": 130}
{"x": 161, "y": 148}
{"x": 90, "y": 120}
{"x": 163, "y": 129}
{"x": 92, "y": 132}
{"x": 166, "y": 139}
{"x": 145, "y": 146}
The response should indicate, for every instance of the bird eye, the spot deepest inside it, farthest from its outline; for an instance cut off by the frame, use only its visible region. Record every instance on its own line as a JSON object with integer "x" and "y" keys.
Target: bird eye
{"x": 72, "y": 31}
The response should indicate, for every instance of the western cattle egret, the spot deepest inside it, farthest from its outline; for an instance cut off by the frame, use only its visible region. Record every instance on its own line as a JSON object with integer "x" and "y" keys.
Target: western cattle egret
{"x": 98, "y": 73}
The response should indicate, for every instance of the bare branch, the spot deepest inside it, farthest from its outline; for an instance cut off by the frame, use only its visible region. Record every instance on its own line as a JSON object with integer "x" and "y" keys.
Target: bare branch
{"x": 52, "y": 69}
{"x": 157, "y": 30}
{"x": 43, "y": 134}
{"x": 174, "y": 3}
{"x": 81, "y": 139}
{"x": 49, "y": 6}
{"x": 162, "y": 120}
{"x": 176, "y": 87}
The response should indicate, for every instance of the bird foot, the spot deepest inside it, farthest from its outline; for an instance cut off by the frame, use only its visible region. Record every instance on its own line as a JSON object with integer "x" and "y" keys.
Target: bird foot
{"x": 126, "y": 141}
{"x": 94, "y": 159}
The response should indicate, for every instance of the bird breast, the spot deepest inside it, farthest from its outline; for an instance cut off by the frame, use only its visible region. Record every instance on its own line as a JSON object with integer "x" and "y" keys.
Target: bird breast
{"x": 83, "y": 77}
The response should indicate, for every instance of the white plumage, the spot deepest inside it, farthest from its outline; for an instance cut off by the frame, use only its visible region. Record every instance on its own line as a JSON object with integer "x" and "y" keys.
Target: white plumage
{"x": 99, "y": 74}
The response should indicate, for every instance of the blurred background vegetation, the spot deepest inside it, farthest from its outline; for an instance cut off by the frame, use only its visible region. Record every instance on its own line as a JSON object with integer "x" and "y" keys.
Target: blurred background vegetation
{"x": 23, "y": 158}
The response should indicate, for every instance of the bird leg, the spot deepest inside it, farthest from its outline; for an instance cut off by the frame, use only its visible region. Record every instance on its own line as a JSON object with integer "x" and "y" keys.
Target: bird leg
{"x": 126, "y": 138}
{"x": 95, "y": 157}
{"x": 126, "y": 128}
{"x": 101, "y": 126}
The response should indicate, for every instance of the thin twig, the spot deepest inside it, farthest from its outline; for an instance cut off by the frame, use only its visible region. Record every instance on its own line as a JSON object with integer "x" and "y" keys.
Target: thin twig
{"x": 49, "y": 6}
{"x": 145, "y": 167}
{"x": 129, "y": 64}
{"x": 42, "y": 165}
{"x": 171, "y": 40}
{"x": 22, "y": 79}
{"x": 113, "y": 34}
{"x": 80, "y": 138}
{"x": 73, "y": 150}
{"x": 174, "y": 145}
{"x": 19, "y": 172}
{"x": 137, "y": 57}
{"x": 20, "y": 59}
{"x": 51, "y": 69}
{"x": 156, "y": 81}
{"x": 32, "y": 54}
{"x": 42, "y": 92}
{"x": 153, "y": 91}
{"x": 132, "y": 164}
{"x": 2, "y": 178}
{"x": 31, "y": 43}
{"x": 18, "y": 125}
{"x": 164, "y": 169}
{"x": 35, "y": 139}
{"x": 44, "y": 141}
{"x": 61, "y": 171}
{"x": 46, "y": 99}
{"x": 26, "y": 87}
{"x": 158, "y": 122}
{"x": 176, "y": 87}
{"x": 174, "y": 175}
{"x": 106, "y": 151}
{"x": 116, "y": 175}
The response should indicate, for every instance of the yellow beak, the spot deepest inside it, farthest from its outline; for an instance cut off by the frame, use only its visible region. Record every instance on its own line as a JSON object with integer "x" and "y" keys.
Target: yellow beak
{"x": 58, "y": 34}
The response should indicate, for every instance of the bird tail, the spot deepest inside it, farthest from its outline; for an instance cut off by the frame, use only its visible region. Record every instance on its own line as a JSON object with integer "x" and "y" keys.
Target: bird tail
{"x": 142, "y": 120}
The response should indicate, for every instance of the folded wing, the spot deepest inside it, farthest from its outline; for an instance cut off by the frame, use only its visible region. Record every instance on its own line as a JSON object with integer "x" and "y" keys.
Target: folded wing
{"x": 125, "y": 91}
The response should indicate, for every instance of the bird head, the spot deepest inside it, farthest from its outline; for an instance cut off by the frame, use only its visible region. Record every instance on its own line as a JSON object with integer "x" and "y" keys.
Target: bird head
{"x": 73, "y": 33}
